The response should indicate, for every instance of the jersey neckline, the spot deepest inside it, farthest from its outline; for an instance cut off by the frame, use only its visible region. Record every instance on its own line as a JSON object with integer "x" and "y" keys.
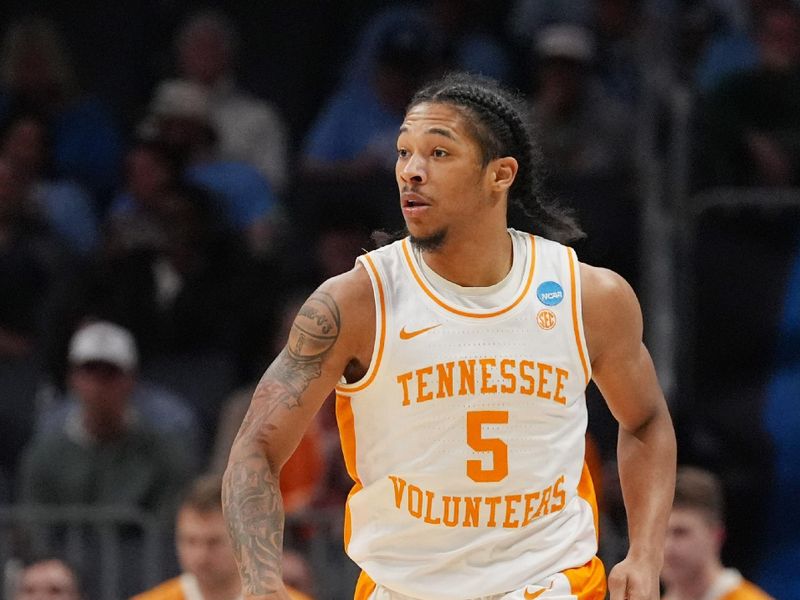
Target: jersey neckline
{"x": 448, "y": 305}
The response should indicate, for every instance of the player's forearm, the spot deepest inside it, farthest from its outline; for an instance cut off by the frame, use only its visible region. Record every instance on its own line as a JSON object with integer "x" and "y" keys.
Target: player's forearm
{"x": 646, "y": 459}
{"x": 251, "y": 501}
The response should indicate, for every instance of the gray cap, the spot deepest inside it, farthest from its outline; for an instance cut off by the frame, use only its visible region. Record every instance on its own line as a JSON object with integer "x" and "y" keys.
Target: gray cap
{"x": 104, "y": 342}
{"x": 565, "y": 40}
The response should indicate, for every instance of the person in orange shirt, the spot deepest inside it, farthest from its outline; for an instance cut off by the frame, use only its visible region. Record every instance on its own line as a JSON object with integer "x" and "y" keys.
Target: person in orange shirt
{"x": 695, "y": 534}
{"x": 204, "y": 550}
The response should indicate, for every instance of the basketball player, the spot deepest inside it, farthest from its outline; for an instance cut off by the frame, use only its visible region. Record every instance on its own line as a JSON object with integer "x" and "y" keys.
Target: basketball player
{"x": 460, "y": 356}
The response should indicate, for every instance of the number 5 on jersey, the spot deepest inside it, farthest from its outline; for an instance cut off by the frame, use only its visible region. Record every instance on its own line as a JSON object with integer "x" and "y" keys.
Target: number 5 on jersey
{"x": 475, "y": 421}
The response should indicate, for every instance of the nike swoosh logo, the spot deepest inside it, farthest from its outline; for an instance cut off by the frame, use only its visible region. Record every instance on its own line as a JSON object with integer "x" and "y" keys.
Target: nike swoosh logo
{"x": 407, "y": 335}
{"x": 529, "y": 596}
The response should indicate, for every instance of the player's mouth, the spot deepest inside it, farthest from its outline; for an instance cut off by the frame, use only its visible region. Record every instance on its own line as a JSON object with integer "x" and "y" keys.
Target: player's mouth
{"x": 413, "y": 203}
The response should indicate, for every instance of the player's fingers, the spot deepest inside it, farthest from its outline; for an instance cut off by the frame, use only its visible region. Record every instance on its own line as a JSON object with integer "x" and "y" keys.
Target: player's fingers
{"x": 617, "y": 585}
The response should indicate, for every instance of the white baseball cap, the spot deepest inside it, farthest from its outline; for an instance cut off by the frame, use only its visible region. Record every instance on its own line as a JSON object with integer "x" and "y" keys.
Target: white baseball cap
{"x": 104, "y": 342}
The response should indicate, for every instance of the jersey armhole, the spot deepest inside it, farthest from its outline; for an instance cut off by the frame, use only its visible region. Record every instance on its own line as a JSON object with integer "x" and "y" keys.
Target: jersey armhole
{"x": 379, "y": 297}
{"x": 577, "y": 314}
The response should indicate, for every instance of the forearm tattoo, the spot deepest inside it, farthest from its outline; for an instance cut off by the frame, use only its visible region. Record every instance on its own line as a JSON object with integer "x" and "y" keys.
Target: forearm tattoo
{"x": 251, "y": 494}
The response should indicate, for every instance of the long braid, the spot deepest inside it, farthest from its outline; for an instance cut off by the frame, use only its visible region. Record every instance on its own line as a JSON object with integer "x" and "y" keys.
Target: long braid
{"x": 501, "y": 131}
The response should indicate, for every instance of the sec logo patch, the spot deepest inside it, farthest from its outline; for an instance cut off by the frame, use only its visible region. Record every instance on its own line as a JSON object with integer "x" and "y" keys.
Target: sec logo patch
{"x": 546, "y": 318}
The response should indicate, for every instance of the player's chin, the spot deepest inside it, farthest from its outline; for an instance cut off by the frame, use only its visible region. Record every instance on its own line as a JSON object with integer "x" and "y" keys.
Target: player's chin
{"x": 428, "y": 240}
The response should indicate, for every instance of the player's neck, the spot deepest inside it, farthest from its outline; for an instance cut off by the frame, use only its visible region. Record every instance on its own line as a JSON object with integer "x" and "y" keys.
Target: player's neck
{"x": 480, "y": 259}
{"x": 695, "y": 586}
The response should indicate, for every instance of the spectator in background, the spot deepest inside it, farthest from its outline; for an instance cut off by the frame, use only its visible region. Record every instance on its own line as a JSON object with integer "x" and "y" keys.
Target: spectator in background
{"x": 249, "y": 129}
{"x": 349, "y": 153}
{"x": 470, "y": 45}
{"x": 180, "y": 117}
{"x": 104, "y": 454}
{"x": 624, "y": 44}
{"x": 26, "y": 143}
{"x": 48, "y": 579}
{"x": 32, "y": 260}
{"x": 528, "y": 17}
{"x": 149, "y": 404}
{"x": 36, "y": 75}
{"x": 176, "y": 275}
{"x": 583, "y": 131}
{"x": 204, "y": 548}
{"x": 695, "y": 534}
{"x": 151, "y": 170}
{"x": 34, "y": 266}
{"x": 750, "y": 123}
{"x": 585, "y": 136}
{"x": 780, "y": 539}
{"x": 355, "y": 133}
{"x": 729, "y": 46}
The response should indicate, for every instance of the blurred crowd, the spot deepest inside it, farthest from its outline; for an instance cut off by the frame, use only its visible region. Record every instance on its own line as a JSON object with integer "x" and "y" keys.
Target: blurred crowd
{"x": 175, "y": 181}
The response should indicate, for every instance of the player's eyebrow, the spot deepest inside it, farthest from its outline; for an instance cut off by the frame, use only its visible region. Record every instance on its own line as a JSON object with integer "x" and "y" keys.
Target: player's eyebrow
{"x": 435, "y": 131}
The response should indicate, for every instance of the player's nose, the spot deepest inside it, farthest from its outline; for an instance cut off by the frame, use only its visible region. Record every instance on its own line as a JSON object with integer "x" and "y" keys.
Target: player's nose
{"x": 413, "y": 170}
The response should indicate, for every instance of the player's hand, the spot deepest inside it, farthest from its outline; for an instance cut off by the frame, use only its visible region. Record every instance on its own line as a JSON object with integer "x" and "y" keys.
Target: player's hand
{"x": 634, "y": 579}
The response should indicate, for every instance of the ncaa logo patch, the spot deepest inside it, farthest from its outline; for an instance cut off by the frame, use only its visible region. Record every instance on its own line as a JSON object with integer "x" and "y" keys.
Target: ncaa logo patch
{"x": 550, "y": 293}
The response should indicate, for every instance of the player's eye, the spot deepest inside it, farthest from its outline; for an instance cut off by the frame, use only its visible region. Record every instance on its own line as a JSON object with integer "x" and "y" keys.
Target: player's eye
{"x": 439, "y": 153}
{"x": 402, "y": 152}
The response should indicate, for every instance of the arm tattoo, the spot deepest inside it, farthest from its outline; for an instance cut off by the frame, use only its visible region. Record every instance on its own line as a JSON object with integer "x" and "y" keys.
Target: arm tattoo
{"x": 251, "y": 494}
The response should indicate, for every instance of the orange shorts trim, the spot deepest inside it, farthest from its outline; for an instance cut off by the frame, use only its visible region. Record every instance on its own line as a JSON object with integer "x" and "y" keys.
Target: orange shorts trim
{"x": 589, "y": 581}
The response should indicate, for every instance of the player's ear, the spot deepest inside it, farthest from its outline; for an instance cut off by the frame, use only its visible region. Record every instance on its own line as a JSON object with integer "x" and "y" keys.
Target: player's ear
{"x": 503, "y": 170}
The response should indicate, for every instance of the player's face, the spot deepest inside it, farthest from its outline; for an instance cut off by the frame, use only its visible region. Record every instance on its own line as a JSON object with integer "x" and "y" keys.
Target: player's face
{"x": 204, "y": 548}
{"x": 692, "y": 542}
{"x": 442, "y": 181}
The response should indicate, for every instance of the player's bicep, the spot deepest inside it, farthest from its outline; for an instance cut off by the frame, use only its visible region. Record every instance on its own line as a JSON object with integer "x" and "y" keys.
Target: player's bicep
{"x": 621, "y": 365}
{"x": 297, "y": 382}
{"x": 630, "y": 388}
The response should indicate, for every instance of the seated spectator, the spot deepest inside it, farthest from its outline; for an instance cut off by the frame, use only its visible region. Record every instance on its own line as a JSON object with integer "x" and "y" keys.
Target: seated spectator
{"x": 583, "y": 131}
{"x": 356, "y": 131}
{"x": 205, "y": 553}
{"x": 347, "y": 159}
{"x": 730, "y": 46}
{"x": 150, "y": 404}
{"x": 471, "y": 44}
{"x": 585, "y": 136}
{"x": 48, "y": 579}
{"x": 180, "y": 118}
{"x": 780, "y": 538}
{"x": 32, "y": 263}
{"x": 175, "y": 275}
{"x": 695, "y": 534}
{"x": 66, "y": 207}
{"x": 151, "y": 169}
{"x": 527, "y": 17}
{"x": 750, "y": 123}
{"x": 250, "y": 129}
{"x": 103, "y": 454}
{"x": 38, "y": 77}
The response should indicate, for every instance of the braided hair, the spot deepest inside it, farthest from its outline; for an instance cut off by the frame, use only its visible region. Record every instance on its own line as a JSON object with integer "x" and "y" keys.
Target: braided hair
{"x": 493, "y": 116}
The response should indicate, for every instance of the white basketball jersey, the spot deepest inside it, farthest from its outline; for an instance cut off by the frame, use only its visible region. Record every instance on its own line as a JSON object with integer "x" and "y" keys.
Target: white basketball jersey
{"x": 465, "y": 438}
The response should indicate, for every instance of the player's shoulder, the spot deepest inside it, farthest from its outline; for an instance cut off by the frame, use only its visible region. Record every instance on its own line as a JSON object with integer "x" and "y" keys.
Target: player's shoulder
{"x": 601, "y": 287}
{"x": 344, "y": 306}
{"x": 611, "y": 311}
{"x": 352, "y": 287}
